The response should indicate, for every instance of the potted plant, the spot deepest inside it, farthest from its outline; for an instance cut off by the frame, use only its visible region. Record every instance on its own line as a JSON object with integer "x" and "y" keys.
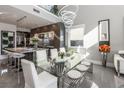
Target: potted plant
{"x": 61, "y": 54}
{"x": 35, "y": 41}
{"x": 104, "y": 49}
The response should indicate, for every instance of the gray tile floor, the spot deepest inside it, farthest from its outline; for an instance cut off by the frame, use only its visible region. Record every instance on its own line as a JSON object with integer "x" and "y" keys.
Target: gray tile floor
{"x": 103, "y": 77}
{"x": 106, "y": 77}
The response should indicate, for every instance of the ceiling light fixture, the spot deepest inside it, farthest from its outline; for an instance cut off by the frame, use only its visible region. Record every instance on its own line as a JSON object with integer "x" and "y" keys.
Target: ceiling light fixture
{"x": 67, "y": 14}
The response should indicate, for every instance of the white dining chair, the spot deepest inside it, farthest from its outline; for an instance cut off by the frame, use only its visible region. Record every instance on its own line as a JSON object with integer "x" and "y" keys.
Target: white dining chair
{"x": 73, "y": 61}
{"x": 41, "y": 58}
{"x": 33, "y": 80}
{"x": 54, "y": 53}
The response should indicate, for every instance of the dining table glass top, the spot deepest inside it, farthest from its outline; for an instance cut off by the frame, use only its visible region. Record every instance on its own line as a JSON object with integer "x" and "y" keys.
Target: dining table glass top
{"x": 69, "y": 63}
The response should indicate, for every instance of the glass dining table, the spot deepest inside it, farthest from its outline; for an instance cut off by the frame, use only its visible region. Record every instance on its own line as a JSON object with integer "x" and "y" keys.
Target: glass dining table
{"x": 61, "y": 66}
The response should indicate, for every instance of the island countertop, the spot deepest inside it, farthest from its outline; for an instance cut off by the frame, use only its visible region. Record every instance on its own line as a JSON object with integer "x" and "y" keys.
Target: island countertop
{"x": 23, "y": 49}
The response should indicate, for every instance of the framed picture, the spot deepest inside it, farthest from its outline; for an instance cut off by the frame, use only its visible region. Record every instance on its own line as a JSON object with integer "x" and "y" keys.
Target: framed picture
{"x": 104, "y": 32}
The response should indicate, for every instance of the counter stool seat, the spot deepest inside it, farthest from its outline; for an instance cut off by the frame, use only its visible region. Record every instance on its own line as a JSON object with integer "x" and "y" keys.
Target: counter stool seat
{"x": 82, "y": 67}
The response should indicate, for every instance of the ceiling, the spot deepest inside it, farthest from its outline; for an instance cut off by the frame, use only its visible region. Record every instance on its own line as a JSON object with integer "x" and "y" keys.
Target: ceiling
{"x": 10, "y": 15}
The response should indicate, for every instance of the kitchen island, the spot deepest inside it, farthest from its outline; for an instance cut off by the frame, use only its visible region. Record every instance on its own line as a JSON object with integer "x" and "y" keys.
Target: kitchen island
{"x": 30, "y": 53}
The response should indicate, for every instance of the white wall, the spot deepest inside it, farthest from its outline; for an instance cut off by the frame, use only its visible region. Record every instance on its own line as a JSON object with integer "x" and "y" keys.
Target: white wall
{"x": 90, "y": 15}
{"x": 10, "y": 27}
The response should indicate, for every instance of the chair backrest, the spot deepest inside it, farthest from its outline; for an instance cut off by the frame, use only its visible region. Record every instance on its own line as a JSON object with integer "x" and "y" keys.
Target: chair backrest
{"x": 41, "y": 57}
{"x": 53, "y": 53}
{"x": 30, "y": 74}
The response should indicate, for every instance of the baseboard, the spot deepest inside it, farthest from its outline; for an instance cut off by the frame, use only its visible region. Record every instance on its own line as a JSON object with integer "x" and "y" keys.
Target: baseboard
{"x": 109, "y": 64}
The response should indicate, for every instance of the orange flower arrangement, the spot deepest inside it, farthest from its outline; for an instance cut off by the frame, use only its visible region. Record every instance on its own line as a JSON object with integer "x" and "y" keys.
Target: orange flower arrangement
{"x": 104, "y": 48}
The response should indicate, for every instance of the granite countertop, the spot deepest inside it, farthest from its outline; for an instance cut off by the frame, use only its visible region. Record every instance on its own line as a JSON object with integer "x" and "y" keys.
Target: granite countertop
{"x": 22, "y": 49}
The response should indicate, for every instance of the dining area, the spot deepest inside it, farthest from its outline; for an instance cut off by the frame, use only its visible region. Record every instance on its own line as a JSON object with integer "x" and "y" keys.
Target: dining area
{"x": 51, "y": 68}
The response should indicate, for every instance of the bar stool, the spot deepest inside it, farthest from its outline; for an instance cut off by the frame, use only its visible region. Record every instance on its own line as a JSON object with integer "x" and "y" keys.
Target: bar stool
{"x": 73, "y": 78}
{"x": 10, "y": 61}
{"x": 18, "y": 56}
{"x": 9, "y": 55}
{"x": 3, "y": 60}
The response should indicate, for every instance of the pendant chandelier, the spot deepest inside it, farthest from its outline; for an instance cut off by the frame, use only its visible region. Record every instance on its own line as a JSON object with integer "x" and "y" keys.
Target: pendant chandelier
{"x": 68, "y": 14}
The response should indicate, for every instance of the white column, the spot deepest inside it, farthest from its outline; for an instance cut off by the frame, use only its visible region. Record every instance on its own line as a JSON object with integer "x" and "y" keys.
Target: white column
{"x": 67, "y": 37}
{"x": 15, "y": 39}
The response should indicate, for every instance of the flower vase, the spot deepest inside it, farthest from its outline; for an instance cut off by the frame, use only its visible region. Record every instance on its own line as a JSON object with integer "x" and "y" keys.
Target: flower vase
{"x": 62, "y": 56}
{"x": 104, "y": 59}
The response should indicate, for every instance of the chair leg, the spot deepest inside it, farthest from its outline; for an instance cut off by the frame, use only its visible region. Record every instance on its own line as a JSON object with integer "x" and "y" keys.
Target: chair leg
{"x": 118, "y": 74}
{"x": 58, "y": 81}
{"x": 63, "y": 80}
{"x": 118, "y": 68}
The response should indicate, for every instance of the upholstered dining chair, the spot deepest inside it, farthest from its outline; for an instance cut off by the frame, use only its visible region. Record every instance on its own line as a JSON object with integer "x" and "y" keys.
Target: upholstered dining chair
{"x": 53, "y": 53}
{"x": 33, "y": 80}
{"x": 41, "y": 58}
